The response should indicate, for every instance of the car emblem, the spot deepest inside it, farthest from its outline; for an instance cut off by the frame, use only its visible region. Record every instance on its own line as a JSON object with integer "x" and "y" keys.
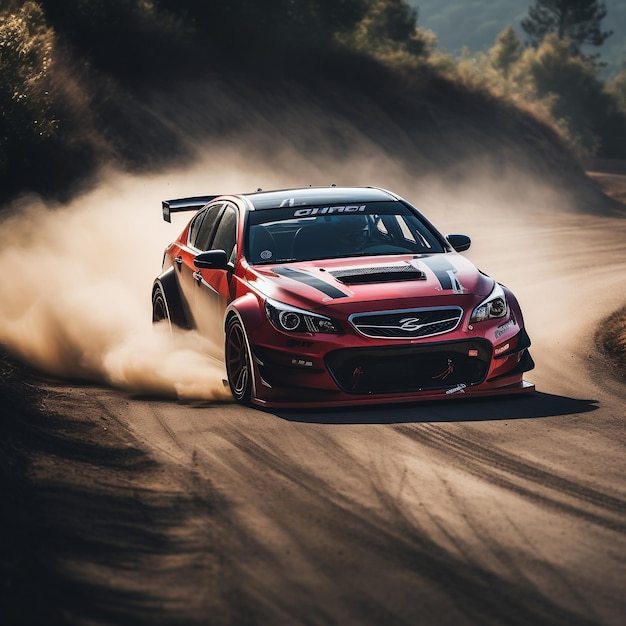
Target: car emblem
{"x": 410, "y": 323}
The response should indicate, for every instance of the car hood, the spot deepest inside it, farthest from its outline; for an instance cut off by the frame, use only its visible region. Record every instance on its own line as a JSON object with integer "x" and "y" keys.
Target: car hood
{"x": 391, "y": 280}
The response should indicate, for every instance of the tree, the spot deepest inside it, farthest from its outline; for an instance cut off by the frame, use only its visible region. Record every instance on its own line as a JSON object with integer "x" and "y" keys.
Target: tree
{"x": 26, "y": 46}
{"x": 575, "y": 20}
{"x": 569, "y": 87}
{"x": 506, "y": 51}
{"x": 389, "y": 30}
{"x": 267, "y": 28}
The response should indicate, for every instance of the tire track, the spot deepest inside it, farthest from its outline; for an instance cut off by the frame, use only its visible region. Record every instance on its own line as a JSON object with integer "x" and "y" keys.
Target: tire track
{"x": 387, "y": 538}
{"x": 522, "y": 477}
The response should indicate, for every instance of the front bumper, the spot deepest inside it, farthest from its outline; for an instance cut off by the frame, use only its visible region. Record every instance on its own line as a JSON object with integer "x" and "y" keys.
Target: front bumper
{"x": 380, "y": 374}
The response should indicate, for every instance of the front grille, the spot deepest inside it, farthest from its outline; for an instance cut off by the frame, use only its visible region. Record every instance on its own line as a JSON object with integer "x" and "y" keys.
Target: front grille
{"x": 407, "y": 324}
{"x": 410, "y": 368}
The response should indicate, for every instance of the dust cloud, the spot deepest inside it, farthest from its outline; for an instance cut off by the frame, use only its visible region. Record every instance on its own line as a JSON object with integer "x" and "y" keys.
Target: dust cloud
{"x": 75, "y": 293}
{"x": 76, "y": 279}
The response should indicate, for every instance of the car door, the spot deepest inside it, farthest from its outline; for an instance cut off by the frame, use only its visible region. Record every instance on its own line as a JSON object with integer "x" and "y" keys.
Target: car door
{"x": 212, "y": 293}
{"x": 201, "y": 231}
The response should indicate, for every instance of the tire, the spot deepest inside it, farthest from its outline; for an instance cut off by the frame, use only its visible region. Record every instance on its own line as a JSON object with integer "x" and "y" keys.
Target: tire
{"x": 160, "y": 310}
{"x": 238, "y": 362}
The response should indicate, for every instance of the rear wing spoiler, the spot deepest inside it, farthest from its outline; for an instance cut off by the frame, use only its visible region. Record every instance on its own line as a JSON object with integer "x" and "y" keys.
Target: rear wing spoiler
{"x": 184, "y": 204}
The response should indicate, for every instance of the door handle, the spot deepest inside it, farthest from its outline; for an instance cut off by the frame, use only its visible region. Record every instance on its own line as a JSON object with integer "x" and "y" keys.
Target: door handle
{"x": 179, "y": 260}
{"x": 198, "y": 276}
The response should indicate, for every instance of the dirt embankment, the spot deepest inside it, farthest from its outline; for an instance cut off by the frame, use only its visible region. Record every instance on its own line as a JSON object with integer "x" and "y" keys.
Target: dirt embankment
{"x": 611, "y": 339}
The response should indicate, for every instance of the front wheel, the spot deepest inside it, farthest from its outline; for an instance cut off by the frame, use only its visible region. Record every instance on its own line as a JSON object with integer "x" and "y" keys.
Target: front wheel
{"x": 238, "y": 362}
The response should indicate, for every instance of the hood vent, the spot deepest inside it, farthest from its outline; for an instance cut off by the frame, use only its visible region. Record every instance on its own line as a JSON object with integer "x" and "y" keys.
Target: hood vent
{"x": 378, "y": 274}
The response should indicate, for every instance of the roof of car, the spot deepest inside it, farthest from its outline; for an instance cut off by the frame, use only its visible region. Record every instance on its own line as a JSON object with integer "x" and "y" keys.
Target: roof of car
{"x": 310, "y": 196}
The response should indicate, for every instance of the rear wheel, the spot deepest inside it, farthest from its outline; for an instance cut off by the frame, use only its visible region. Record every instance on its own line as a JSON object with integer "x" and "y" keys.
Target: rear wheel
{"x": 160, "y": 310}
{"x": 238, "y": 362}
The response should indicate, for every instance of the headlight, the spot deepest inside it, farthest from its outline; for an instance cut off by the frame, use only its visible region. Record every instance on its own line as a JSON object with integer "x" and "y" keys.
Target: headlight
{"x": 290, "y": 319}
{"x": 494, "y": 306}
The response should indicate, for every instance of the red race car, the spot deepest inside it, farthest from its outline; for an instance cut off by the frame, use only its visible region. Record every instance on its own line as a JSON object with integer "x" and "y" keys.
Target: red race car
{"x": 338, "y": 296}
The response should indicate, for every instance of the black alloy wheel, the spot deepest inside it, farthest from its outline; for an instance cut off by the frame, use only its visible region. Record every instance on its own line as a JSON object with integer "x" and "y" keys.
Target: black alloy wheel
{"x": 160, "y": 311}
{"x": 238, "y": 362}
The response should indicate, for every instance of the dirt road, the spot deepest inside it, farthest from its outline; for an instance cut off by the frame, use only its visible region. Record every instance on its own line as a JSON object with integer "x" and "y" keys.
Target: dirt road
{"x": 506, "y": 511}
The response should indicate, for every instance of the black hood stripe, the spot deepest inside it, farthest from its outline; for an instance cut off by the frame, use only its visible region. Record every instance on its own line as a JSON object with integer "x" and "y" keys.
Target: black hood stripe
{"x": 441, "y": 268}
{"x": 311, "y": 281}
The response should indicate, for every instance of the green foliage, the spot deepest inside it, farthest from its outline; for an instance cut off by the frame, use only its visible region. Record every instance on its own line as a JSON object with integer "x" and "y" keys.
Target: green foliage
{"x": 507, "y": 51}
{"x": 578, "y": 21}
{"x": 567, "y": 84}
{"x": 26, "y": 56}
{"x": 576, "y": 97}
{"x": 558, "y": 85}
{"x": 569, "y": 88}
{"x": 388, "y": 31}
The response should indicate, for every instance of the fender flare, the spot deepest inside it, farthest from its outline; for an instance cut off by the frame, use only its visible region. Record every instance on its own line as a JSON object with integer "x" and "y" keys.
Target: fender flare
{"x": 249, "y": 311}
{"x": 514, "y": 306}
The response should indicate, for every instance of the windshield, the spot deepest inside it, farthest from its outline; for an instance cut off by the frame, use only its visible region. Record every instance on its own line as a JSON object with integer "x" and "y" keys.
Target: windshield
{"x": 315, "y": 233}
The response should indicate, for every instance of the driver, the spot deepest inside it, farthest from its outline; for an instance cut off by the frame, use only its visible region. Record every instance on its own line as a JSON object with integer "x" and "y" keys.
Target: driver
{"x": 349, "y": 232}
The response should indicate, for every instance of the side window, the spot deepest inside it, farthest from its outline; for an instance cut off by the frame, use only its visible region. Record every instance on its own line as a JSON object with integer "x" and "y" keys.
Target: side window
{"x": 195, "y": 227}
{"x": 226, "y": 234}
{"x": 206, "y": 228}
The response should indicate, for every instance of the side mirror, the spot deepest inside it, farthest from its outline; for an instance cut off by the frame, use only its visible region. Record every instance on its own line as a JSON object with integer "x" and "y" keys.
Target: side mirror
{"x": 213, "y": 259}
{"x": 459, "y": 242}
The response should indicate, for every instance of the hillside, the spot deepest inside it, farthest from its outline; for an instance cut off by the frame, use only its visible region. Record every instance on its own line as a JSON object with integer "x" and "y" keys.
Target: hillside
{"x": 172, "y": 87}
